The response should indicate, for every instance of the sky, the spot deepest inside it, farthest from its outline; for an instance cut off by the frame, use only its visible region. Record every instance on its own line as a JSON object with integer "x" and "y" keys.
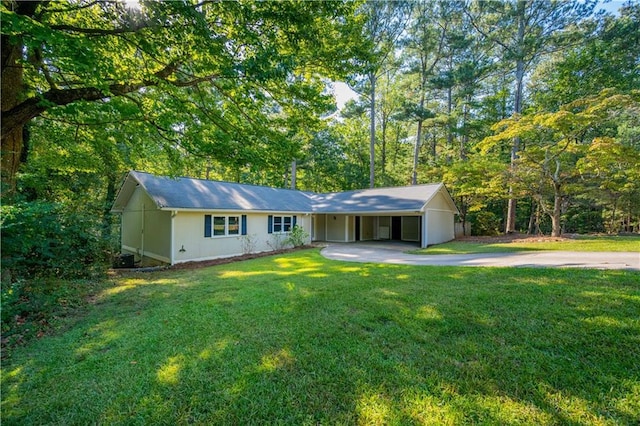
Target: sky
{"x": 343, "y": 93}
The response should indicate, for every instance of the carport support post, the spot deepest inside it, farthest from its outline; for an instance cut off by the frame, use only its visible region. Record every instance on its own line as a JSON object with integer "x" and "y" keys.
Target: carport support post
{"x": 425, "y": 230}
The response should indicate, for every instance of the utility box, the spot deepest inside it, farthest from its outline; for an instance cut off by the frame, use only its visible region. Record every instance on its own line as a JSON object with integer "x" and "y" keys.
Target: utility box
{"x": 123, "y": 261}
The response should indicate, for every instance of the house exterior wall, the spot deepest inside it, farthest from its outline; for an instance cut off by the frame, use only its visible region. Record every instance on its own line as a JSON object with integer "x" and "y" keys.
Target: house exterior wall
{"x": 320, "y": 225}
{"x": 367, "y": 228}
{"x": 439, "y": 201}
{"x": 190, "y": 243}
{"x": 440, "y": 227}
{"x": 335, "y": 230}
{"x": 411, "y": 228}
{"x": 146, "y": 230}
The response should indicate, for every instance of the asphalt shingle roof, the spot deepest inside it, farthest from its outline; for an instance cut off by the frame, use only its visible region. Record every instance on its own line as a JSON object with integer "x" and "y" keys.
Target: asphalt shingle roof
{"x": 401, "y": 198}
{"x": 200, "y": 194}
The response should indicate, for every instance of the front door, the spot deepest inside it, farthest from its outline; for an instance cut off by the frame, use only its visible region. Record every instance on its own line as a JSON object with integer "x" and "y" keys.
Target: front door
{"x": 357, "y": 228}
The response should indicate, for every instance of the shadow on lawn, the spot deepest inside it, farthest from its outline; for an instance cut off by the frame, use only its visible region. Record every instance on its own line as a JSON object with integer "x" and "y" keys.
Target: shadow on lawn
{"x": 298, "y": 339}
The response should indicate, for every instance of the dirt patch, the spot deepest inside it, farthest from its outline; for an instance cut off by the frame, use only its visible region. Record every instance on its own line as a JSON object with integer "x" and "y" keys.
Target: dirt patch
{"x": 515, "y": 238}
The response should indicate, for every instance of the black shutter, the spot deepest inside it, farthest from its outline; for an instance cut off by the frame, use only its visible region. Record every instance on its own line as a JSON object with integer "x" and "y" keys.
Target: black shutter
{"x": 293, "y": 222}
{"x": 270, "y": 224}
{"x": 207, "y": 225}
{"x": 244, "y": 225}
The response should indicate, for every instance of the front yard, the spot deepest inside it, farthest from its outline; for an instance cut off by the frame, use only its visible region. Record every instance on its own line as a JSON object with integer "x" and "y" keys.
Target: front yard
{"x": 299, "y": 339}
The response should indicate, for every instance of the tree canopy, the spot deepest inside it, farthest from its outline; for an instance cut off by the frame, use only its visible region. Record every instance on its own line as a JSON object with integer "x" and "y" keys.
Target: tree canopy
{"x": 524, "y": 101}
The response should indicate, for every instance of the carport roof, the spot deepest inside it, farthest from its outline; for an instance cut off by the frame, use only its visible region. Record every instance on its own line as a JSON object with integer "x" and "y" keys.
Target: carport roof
{"x": 377, "y": 200}
{"x": 202, "y": 195}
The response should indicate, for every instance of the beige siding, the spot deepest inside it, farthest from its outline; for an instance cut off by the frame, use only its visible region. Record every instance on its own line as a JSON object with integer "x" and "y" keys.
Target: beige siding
{"x": 320, "y": 223}
{"x": 335, "y": 227}
{"x": 189, "y": 236}
{"x": 411, "y": 228}
{"x": 439, "y": 227}
{"x": 146, "y": 231}
{"x": 367, "y": 227}
{"x": 439, "y": 201}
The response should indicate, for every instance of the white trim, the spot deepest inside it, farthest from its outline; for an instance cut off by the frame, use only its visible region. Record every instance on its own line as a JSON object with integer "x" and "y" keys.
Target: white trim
{"x": 173, "y": 237}
{"x": 375, "y": 213}
{"x": 346, "y": 228}
{"x": 439, "y": 210}
{"x": 232, "y": 211}
{"x": 448, "y": 197}
{"x": 425, "y": 230}
{"x": 226, "y": 226}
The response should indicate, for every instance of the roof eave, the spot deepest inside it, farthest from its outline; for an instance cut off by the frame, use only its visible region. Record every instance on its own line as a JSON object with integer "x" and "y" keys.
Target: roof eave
{"x": 244, "y": 211}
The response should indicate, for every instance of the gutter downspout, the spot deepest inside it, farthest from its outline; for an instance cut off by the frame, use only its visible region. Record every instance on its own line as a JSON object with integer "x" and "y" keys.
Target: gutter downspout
{"x": 142, "y": 235}
{"x": 425, "y": 229}
{"x": 172, "y": 245}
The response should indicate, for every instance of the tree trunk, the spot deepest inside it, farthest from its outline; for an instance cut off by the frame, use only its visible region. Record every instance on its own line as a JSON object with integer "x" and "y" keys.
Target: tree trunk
{"x": 416, "y": 154}
{"x": 372, "y": 130}
{"x": 511, "y": 209}
{"x": 383, "y": 153}
{"x": 556, "y": 228}
{"x": 532, "y": 218}
{"x": 12, "y": 86}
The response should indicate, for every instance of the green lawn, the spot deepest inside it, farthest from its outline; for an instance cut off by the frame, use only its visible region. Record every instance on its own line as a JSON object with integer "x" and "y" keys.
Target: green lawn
{"x": 614, "y": 243}
{"x": 298, "y": 339}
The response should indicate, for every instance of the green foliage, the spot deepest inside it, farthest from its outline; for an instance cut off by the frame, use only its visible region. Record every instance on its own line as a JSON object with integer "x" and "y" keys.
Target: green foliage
{"x": 298, "y": 236}
{"x": 44, "y": 239}
{"x": 485, "y": 223}
{"x": 33, "y": 308}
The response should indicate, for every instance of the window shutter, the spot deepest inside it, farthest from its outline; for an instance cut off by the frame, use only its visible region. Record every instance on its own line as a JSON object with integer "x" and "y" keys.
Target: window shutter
{"x": 244, "y": 225}
{"x": 293, "y": 222}
{"x": 207, "y": 225}
{"x": 270, "y": 224}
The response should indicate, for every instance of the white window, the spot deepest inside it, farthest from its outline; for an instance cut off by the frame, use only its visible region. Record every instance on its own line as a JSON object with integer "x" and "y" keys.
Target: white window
{"x": 279, "y": 224}
{"x": 225, "y": 225}
{"x": 233, "y": 227}
{"x": 219, "y": 225}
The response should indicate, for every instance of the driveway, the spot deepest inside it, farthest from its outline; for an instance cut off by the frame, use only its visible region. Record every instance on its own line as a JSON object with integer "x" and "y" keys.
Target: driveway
{"x": 395, "y": 253}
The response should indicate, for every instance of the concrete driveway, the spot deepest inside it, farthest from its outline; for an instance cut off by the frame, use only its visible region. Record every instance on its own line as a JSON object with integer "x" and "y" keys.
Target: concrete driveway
{"x": 382, "y": 252}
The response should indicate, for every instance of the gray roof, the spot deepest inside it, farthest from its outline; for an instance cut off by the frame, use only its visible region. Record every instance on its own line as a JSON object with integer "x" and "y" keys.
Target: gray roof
{"x": 400, "y": 198}
{"x": 200, "y": 194}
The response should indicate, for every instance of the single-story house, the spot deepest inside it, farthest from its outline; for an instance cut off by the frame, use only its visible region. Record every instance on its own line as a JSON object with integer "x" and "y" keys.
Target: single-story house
{"x": 185, "y": 219}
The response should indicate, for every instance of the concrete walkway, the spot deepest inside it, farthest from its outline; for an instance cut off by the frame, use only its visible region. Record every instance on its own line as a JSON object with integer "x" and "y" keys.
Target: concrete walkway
{"x": 395, "y": 253}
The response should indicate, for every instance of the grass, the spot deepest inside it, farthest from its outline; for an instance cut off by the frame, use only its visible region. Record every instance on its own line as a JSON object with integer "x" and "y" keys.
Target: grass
{"x": 298, "y": 339}
{"x": 592, "y": 243}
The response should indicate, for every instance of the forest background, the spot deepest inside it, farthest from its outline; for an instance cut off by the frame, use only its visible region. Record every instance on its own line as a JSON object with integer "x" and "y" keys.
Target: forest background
{"x": 527, "y": 110}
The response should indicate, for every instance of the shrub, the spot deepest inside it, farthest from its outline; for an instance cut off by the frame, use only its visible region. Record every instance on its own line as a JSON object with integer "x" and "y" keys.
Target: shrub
{"x": 484, "y": 223}
{"x": 298, "y": 236}
{"x": 44, "y": 239}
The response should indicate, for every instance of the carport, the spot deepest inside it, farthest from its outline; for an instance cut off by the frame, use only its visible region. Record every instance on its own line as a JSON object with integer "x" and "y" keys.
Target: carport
{"x": 423, "y": 214}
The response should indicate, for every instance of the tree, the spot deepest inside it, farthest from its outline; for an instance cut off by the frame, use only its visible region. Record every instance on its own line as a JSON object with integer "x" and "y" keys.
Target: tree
{"x": 384, "y": 23}
{"x": 556, "y": 143}
{"x": 608, "y": 58}
{"x": 424, "y": 49}
{"x": 219, "y": 57}
{"x": 526, "y": 31}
